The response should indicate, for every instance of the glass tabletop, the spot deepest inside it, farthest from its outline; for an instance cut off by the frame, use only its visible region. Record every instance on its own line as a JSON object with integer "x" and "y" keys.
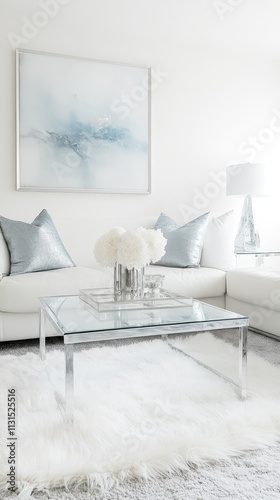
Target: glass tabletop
{"x": 72, "y": 315}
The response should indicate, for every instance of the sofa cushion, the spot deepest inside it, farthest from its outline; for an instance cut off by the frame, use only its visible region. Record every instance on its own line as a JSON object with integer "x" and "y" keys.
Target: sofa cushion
{"x": 259, "y": 286}
{"x": 19, "y": 293}
{"x": 4, "y": 257}
{"x": 184, "y": 244}
{"x": 36, "y": 246}
{"x": 192, "y": 282}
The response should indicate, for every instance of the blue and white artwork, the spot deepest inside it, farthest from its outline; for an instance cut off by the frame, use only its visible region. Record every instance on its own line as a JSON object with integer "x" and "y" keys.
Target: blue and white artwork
{"x": 82, "y": 124}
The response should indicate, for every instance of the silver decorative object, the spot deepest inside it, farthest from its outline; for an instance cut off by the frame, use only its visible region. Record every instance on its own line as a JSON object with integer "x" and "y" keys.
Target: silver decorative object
{"x": 128, "y": 283}
{"x": 247, "y": 179}
{"x": 153, "y": 284}
{"x": 246, "y": 238}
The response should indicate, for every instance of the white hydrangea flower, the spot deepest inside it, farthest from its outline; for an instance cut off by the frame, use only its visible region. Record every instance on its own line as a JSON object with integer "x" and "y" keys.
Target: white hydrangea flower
{"x": 156, "y": 243}
{"x": 106, "y": 247}
{"x": 133, "y": 249}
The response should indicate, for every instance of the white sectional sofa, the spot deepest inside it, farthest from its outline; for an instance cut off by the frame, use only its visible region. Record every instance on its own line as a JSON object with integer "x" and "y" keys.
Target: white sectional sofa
{"x": 255, "y": 292}
{"x": 215, "y": 281}
{"x": 19, "y": 294}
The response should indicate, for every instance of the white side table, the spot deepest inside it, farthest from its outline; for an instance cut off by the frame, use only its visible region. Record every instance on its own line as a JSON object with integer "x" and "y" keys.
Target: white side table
{"x": 258, "y": 254}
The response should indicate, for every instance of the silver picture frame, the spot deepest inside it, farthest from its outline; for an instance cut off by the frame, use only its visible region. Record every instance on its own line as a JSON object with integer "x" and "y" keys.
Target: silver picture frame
{"x": 82, "y": 124}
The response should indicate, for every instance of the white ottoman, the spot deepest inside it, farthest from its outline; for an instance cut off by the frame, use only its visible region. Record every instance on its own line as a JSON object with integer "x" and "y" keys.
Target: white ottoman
{"x": 255, "y": 292}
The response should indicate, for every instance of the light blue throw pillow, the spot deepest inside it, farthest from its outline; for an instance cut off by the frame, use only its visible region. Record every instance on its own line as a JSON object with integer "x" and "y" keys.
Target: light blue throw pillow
{"x": 185, "y": 243}
{"x": 34, "y": 247}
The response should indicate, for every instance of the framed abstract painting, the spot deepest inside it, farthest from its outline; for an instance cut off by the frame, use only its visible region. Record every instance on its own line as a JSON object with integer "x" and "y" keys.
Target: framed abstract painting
{"x": 82, "y": 124}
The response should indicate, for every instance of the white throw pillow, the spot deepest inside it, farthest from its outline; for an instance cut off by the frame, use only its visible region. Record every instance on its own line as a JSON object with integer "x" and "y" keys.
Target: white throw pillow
{"x": 218, "y": 247}
{"x": 4, "y": 257}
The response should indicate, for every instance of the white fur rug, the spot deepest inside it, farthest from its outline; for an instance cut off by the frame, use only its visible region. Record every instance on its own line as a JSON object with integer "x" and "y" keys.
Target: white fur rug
{"x": 140, "y": 410}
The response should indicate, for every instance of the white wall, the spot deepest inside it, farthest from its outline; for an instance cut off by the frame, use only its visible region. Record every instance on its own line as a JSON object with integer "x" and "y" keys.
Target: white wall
{"x": 203, "y": 113}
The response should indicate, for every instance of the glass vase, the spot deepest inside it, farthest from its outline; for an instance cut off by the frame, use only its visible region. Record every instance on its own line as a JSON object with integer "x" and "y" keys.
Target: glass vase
{"x": 128, "y": 283}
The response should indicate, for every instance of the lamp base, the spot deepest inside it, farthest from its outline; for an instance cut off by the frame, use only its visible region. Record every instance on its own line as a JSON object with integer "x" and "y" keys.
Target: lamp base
{"x": 247, "y": 238}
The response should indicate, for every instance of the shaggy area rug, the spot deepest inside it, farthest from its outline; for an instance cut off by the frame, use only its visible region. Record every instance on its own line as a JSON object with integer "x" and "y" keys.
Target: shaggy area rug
{"x": 141, "y": 410}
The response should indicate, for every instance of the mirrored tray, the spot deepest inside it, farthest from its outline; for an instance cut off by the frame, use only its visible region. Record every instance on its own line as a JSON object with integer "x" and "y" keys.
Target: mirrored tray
{"x": 102, "y": 299}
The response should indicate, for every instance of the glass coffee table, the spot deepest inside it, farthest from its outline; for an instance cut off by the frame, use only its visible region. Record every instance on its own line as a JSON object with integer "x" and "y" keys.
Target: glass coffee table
{"x": 79, "y": 322}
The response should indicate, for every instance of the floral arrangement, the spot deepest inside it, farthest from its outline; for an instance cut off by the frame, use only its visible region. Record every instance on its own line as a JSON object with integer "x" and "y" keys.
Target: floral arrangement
{"x": 133, "y": 249}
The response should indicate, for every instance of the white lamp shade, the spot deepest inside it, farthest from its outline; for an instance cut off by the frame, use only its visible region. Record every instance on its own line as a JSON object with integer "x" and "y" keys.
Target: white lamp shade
{"x": 247, "y": 179}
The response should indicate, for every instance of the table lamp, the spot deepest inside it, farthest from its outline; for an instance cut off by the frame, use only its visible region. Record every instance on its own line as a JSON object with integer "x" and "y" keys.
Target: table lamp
{"x": 247, "y": 179}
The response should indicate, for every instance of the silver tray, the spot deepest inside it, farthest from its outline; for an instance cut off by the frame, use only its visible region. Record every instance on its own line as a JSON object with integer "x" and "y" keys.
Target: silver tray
{"x": 102, "y": 299}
